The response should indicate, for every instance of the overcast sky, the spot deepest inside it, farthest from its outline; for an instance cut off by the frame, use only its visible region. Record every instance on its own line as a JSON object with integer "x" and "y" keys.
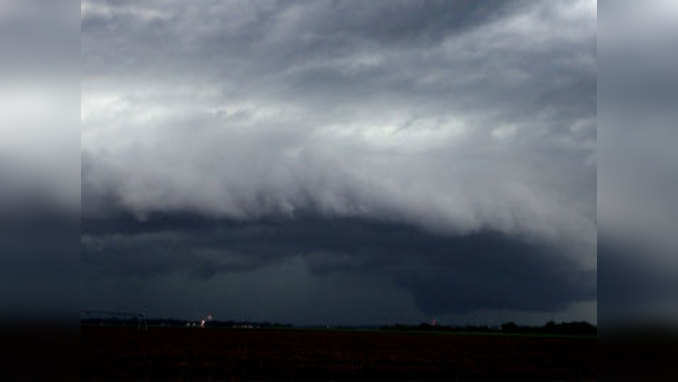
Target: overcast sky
{"x": 340, "y": 161}
{"x": 638, "y": 165}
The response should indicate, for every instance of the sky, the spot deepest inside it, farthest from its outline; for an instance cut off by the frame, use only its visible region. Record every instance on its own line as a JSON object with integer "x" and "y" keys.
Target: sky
{"x": 638, "y": 163}
{"x": 340, "y": 162}
{"x": 40, "y": 158}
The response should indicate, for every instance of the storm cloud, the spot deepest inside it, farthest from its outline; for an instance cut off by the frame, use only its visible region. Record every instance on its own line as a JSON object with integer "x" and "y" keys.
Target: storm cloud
{"x": 428, "y": 147}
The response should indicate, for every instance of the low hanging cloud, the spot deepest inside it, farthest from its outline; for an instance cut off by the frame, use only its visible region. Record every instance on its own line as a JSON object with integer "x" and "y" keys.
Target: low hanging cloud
{"x": 445, "y": 274}
{"x": 450, "y": 118}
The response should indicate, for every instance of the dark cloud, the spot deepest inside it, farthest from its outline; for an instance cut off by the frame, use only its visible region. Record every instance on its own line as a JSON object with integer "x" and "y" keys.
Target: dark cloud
{"x": 507, "y": 273}
{"x": 445, "y": 274}
{"x": 361, "y": 139}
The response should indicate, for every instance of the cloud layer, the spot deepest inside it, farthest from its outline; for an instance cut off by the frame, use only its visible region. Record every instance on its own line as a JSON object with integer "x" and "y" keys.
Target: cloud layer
{"x": 449, "y": 118}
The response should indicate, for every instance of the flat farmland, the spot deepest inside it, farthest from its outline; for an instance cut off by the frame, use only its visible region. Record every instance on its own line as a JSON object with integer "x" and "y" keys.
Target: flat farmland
{"x": 213, "y": 354}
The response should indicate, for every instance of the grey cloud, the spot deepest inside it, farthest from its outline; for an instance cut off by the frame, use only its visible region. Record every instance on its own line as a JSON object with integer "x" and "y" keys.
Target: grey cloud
{"x": 452, "y": 117}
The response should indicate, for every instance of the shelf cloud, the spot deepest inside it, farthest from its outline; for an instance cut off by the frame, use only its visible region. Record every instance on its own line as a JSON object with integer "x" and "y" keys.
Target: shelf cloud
{"x": 418, "y": 143}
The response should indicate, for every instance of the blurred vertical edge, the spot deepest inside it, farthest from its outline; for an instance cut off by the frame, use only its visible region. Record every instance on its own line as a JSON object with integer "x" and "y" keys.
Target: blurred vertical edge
{"x": 39, "y": 188}
{"x": 637, "y": 188}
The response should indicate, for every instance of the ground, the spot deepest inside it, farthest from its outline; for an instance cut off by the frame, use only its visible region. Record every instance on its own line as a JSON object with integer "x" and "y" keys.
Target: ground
{"x": 257, "y": 354}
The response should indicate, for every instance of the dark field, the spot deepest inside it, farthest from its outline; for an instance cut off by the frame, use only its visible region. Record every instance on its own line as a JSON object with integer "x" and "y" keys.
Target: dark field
{"x": 211, "y": 354}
